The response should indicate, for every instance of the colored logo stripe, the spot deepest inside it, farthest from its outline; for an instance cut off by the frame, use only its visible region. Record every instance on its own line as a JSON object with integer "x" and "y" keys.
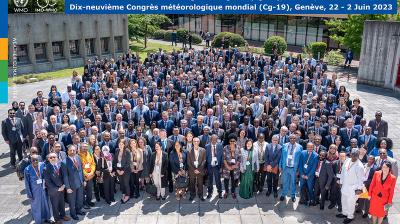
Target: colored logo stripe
{"x": 3, "y": 48}
{"x": 3, "y": 51}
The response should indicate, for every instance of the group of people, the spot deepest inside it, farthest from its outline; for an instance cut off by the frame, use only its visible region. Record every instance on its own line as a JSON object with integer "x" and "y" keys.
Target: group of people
{"x": 190, "y": 120}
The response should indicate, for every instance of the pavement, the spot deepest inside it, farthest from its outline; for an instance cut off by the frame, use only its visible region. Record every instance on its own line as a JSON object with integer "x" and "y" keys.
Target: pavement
{"x": 15, "y": 207}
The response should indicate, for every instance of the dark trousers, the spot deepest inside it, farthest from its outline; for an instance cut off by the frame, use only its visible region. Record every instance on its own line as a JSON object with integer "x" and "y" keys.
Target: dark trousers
{"x": 196, "y": 181}
{"x": 124, "y": 183}
{"x": 307, "y": 190}
{"x": 233, "y": 182}
{"x": 363, "y": 205}
{"x": 213, "y": 173}
{"x": 75, "y": 201}
{"x": 336, "y": 195}
{"x": 348, "y": 60}
{"x": 170, "y": 181}
{"x": 15, "y": 149}
{"x": 109, "y": 187}
{"x": 259, "y": 179}
{"x": 88, "y": 192}
{"x": 57, "y": 204}
{"x": 98, "y": 189}
{"x": 272, "y": 182}
{"x": 173, "y": 41}
{"x": 134, "y": 183}
{"x": 320, "y": 192}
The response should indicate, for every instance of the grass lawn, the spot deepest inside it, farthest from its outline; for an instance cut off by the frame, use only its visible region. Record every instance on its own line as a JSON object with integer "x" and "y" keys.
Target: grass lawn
{"x": 43, "y": 76}
{"x": 151, "y": 48}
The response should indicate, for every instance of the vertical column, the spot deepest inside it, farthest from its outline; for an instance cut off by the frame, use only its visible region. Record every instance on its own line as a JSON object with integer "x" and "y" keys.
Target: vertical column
{"x": 31, "y": 48}
{"x": 67, "y": 53}
{"x": 112, "y": 42}
{"x": 82, "y": 47}
{"x": 49, "y": 46}
{"x": 125, "y": 39}
{"x": 4, "y": 52}
{"x": 97, "y": 45}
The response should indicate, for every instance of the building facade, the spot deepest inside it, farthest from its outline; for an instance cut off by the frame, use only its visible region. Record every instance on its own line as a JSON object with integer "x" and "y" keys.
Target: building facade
{"x": 297, "y": 30}
{"x": 380, "y": 55}
{"x": 46, "y": 42}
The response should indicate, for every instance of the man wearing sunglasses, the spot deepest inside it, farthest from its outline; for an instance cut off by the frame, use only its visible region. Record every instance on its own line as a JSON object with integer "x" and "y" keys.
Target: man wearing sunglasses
{"x": 12, "y": 130}
{"x": 383, "y": 156}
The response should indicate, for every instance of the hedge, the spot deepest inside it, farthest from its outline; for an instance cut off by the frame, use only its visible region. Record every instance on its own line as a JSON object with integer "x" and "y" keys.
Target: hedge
{"x": 196, "y": 39}
{"x": 182, "y": 34}
{"x": 230, "y": 40}
{"x": 159, "y": 34}
{"x": 316, "y": 47}
{"x": 168, "y": 35}
{"x": 270, "y": 42}
{"x": 334, "y": 57}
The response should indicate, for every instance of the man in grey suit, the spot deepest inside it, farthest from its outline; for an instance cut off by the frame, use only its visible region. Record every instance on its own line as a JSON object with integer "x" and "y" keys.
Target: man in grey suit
{"x": 379, "y": 126}
{"x": 324, "y": 176}
{"x": 74, "y": 183}
{"x": 12, "y": 130}
{"x": 196, "y": 160}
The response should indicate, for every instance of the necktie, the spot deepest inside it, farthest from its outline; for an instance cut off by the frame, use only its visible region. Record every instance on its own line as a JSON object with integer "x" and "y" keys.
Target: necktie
{"x": 118, "y": 126}
{"x": 165, "y": 124}
{"x": 209, "y": 121}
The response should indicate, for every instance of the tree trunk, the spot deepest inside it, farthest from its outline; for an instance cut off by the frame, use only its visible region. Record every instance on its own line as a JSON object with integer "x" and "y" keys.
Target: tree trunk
{"x": 145, "y": 37}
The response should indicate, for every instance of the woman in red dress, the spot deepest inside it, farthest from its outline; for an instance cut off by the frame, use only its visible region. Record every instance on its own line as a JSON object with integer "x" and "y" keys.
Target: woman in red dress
{"x": 381, "y": 192}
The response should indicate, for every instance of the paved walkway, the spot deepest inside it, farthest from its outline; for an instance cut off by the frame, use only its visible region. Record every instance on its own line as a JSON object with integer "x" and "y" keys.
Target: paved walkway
{"x": 14, "y": 207}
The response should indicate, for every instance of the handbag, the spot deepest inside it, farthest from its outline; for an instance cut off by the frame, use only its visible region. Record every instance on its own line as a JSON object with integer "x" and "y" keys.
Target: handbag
{"x": 151, "y": 188}
{"x": 181, "y": 182}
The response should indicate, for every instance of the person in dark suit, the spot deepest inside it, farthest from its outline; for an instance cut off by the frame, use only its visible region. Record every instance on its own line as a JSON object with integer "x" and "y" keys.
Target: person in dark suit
{"x": 108, "y": 116}
{"x": 167, "y": 146}
{"x": 214, "y": 159}
{"x": 12, "y": 130}
{"x": 335, "y": 195}
{"x": 122, "y": 165}
{"x": 272, "y": 158}
{"x": 355, "y": 117}
{"x": 28, "y": 120}
{"x": 151, "y": 114}
{"x": 107, "y": 142}
{"x": 378, "y": 125}
{"x": 53, "y": 126}
{"x": 165, "y": 123}
{"x": 331, "y": 138}
{"x": 54, "y": 177}
{"x": 159, "y": 170}
{"x": 323, "y": 178}
{"x": 196, "y": 160}
{"x": 177, "y": 162}
{"x": 119, "y": 123}
{"x": 198, "y": 127}
{"x": 368, "y": 141}
{"x": 307, "y": 166}
{"x": 348, "y": 133}
{"x": 74, "y": 183}
{"x": 349, "y": 58}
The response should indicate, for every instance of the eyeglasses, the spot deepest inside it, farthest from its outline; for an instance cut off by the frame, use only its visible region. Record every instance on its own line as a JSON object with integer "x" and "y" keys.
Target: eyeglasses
{"x": 232, "y": 141}
{"x": 382, "y": 153}
{"x": 52, "y": 157}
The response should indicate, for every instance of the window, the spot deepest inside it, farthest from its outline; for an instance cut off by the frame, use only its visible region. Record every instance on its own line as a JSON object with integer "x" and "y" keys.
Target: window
{"x": 40, "y": 51}
{"x": 118, "y": 44}
{"x": 58, "y": 51}
{"x": 211, "y": 24}
{"x": 89, "y": 45}
{"x": 74, "y": 48}
{"x": 22, "y": 54}
{"x": 105, "y": 45}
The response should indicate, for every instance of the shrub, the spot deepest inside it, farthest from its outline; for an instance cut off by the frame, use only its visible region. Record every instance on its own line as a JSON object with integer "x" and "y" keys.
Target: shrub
{"x": 280, "y": 44}
{"x": 334, "y": 57}
{"x": 230, "y": 40}
{"x": 159, "y": 34}
{"x": 182, "y": 34}
{"x": 316, "y": 47}
{"x": 196, "y": 39}
{"x": 168, "y": 35}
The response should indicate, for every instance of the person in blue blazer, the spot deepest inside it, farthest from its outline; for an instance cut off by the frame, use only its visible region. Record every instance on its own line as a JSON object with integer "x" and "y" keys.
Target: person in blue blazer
{"x": 165, "y": 123}
{"x": 214, "y": 160}
{"x": 198, "y": 127}
{"x": 368, "y": 140}
{"x": 307, "y": 166}
{"x": 348, "y": 133}
{"x": 272, "y": 158}
{"x": 288, "y": 164}
{"x": 74, "y": 183}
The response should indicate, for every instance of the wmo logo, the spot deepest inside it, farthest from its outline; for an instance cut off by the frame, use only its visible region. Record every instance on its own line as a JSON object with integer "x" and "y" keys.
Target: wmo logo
{"x": 46, "y": 6}
{"x": 20, "y": 6}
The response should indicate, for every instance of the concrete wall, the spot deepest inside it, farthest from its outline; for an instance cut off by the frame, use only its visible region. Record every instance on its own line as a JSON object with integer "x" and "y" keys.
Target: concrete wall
{"x": 28, "y": 29}
{"x": 380, "y": 54}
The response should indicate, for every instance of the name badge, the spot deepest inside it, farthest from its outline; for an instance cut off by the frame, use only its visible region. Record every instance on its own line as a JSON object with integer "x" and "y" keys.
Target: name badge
{"x": 119, "y": 165}
{"x": 196, "y": 163}
{"x": 247, "y": 163}
{"x": 233, "y": 161}
{"x": 87, "y": 166}
{"x": 181, "y": 165}
{"x": 214, "y": 161}
{"x": 290, "y": 156}
{"x": 338, "y": 175}
{"x": 13, "y": 129}
{"x": 39, "y": 181}
{"x": 317, "y": 174}
{"x": 375, "y": 132}
{"x": 305, "y": 166}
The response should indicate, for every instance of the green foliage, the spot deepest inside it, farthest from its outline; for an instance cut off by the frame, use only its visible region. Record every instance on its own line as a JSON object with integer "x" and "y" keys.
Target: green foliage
{"x": 230, "y": 40}
{"x": 196, "y": 39}
{"x": 168, "y": 35}
{"x": 144, "y": 26}
{"x": 182, "y": 34}
{"x": 314, "y": 47}
{"x": 334, "y": 57}
{"x": 348, "y": 33}
{"x": 159, "y": 34}
{"x": 280, "y": 44}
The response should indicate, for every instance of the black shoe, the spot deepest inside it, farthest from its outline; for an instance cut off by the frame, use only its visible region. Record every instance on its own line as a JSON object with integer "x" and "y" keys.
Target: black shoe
{"x": 220, "y": 195}
{"x": 275, "y": 194}
{"x": 339, "y": 209}
{"x": 365, "y": 215}
{"x": 346, "y": 221}
{"x": 75, "y": 217}
{"x": 312, "y": 203}
{"x": 171, "y": 189}
{"x": 191, "y": 198}
{"x": 86, "y": 207}
{"x": 91, "y": 204}
{"x": 209, "y": 196}
{"x": 293, "y": 199}
{"x": 49, "y": 221}
{"x": 202, "y": 199}
{"x": 282, "y": 198}
{"x": 321, "y": 207}
{"x": 81, "y": 213}
{"x": 108, "y": 202}
{"x": 268, "y": 193}
{"x": 358, "y": 211}
{"x": 331, "y": 206}
{"x": 97, "y": 199}
{"x": 137, "y": 196}
{"x": 302, "y": 202}
{"x": 341, "y": 216}
{"x": 158, "y": 198}
{"x": 163, "y": 198}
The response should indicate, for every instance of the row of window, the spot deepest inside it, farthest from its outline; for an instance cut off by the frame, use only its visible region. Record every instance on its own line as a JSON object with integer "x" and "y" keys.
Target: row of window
{"x": 73, "y": 46}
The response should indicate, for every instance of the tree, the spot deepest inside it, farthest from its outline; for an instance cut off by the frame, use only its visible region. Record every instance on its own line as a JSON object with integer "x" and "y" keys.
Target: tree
{"x": 348, "y": 32}
{"x": 143, "y": 26}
